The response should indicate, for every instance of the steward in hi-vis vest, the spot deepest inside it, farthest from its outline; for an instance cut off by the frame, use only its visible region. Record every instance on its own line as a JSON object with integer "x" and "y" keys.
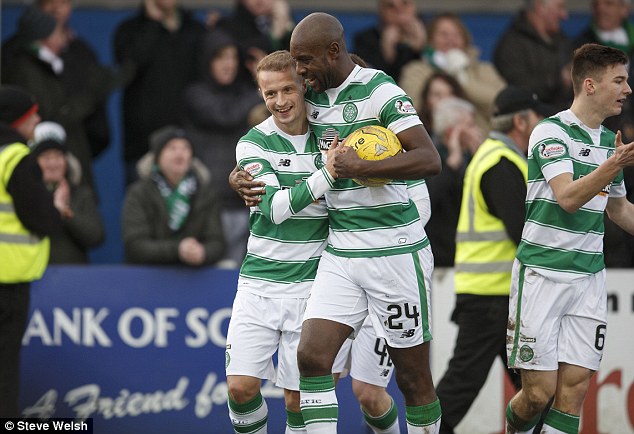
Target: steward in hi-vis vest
{"x": 27, "y": 217}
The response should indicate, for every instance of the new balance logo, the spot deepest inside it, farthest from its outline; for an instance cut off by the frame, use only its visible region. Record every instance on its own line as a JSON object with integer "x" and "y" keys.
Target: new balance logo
{"x": 314, "y": 114}
{"x": 284, "y": 162}
{"x": 584, "y": 152}
{"x": 408, "y": 333}
{"x": 384, "y": 373}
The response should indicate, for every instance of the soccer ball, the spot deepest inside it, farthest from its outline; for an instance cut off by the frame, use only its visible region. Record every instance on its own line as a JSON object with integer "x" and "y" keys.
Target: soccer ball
{"x": 374, "y": 143}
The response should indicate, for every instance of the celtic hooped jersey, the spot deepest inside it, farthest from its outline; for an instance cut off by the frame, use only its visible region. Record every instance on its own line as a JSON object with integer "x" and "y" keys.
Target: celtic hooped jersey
{"x": 558, "y": 244}
{"x": 288, "y": 230}
{"x": 366, "y": 221}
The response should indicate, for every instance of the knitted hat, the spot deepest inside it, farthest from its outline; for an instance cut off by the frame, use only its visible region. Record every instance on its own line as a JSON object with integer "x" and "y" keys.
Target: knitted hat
{"x": 48, "y": 135}
{"x": 35, "y": 24}
{"x": 160, "y": 138}
{"x": 16, "y": 105}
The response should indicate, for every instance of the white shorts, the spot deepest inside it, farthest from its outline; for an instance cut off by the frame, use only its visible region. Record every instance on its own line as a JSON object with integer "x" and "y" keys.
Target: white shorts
{"x": 394, "y": 290}
{"x": 558, "y": 321}
{"x": 365, "y": 357}
{"x": 258, "y": 328}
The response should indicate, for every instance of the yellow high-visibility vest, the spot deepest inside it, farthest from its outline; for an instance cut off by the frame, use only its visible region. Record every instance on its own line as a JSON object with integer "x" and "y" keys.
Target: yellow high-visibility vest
{"x": 23, "y": 255}
{"x": 484, "y": 252}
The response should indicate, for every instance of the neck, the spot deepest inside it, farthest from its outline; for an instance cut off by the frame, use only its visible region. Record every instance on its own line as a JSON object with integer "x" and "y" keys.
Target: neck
{"x": 585, "y": 111}
{"x": 295, "y": 129}
{"x": 344, "y": 70}
{"x": 520, "y": 140}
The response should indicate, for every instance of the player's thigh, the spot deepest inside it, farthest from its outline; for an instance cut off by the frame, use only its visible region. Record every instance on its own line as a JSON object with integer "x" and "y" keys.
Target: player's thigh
{"x": 370, "y": 360}
{"x": 253, "y": 336}
{"x": 291, "y": 328}
{"x": 536, "y": 306}
{"x": 398, "y": 288}
{"x": 584, "y": 328}
{"x": 335, "y": 296}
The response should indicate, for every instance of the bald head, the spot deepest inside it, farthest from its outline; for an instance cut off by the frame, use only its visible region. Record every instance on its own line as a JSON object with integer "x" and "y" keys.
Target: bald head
{"x": 318, "y": 29}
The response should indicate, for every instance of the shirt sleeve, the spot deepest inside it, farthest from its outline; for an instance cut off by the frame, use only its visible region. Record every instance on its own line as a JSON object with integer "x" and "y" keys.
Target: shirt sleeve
{"x": 279, "y": 204}
{"x": 548, "y": 147}
{"x": 419, "y": 194}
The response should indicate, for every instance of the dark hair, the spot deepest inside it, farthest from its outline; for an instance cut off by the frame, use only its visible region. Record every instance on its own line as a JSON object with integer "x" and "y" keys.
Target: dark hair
{"x": 425, "y": 111}
{"x": 591, "y": 60}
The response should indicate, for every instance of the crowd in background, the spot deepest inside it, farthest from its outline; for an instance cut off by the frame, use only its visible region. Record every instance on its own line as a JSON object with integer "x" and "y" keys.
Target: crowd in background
{"x": 188, "y": 95}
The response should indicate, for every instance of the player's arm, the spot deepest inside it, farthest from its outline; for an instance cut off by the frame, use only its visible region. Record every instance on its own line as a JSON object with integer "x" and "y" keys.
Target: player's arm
{"x": 621, "y": 212}
{"x": 573, "y": 194}
{"x": 279, "y": 204}
{"x": 420, "y": 160}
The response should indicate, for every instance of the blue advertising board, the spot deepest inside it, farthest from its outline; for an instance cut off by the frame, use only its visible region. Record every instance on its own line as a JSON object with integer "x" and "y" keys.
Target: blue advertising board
{"x": 140, "y": 350}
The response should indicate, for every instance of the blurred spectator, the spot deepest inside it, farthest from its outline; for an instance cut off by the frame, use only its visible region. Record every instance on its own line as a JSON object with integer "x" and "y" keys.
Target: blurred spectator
{"x": 398, "y": 37}
{"x": 70, "y": 90}
{"x": 451, "y": 50}
{"x": 76, "y": 202}
{"x": 163, "y": 41}
{"x": 216, "y": 112}
{"x": 27, "y": 218}
{"x": 259, "y": 27}
{"x": 171, "y": 215}
{"x": 78, "y": 58}
{"x": 489, "y": 231}
{"x": 611, "y": 26}
{"x": 439, "y": 86}
{"x": 534, "y": 52}
{"x": 457, "y": 132}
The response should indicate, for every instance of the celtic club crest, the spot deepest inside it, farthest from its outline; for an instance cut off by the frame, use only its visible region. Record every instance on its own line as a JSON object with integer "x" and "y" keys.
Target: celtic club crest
{"x": 350, "y": 112}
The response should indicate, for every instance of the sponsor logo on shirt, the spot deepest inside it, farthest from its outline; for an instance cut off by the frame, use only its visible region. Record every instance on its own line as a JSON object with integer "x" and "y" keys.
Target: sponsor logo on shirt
{"x": 552, "y": 150}
{"x": 404, "y": 107}
{"x": 254, "y": 168}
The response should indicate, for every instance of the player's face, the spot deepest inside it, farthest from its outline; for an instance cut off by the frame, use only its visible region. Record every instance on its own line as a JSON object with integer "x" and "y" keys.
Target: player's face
{"x": 283, "y": 95}
{"x": 612, "y": 90}
{"x": 313, "y": 65}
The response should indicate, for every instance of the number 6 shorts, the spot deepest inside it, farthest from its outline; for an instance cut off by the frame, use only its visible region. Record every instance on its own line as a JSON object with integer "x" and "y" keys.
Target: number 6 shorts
{"x": 394, "y": 290}
{"x": 555, "y": 321}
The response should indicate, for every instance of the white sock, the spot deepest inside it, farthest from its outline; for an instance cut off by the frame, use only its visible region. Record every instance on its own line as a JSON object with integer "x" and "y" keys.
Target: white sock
{"x": 318, "y": 402}
{"x": 249, "y": 417}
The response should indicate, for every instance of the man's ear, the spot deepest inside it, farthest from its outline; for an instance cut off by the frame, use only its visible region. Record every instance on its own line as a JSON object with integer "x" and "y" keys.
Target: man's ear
{"x": 334, "y": 50}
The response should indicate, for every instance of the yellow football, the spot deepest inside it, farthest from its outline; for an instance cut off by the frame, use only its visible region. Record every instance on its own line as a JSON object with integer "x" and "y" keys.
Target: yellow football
{"x": 374, "y": 143}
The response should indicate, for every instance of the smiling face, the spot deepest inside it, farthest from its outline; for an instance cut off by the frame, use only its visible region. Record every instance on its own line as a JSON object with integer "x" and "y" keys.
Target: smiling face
{"x": 314, "y": 64}
{"x": 283, "y": 94}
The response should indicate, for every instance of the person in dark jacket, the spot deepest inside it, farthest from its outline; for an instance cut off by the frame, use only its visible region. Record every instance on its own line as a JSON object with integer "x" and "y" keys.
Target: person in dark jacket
{"x": 535, "y": 53}
{"x": 27, "y": 218}
{"x": 216, "y": 115}
{"x": 162, "y": 40}
{"x": 69, "y": 92}
{"x": 171, "y": 215}
{"x": 398, "y": 37}
{"x": 76, "y": 202}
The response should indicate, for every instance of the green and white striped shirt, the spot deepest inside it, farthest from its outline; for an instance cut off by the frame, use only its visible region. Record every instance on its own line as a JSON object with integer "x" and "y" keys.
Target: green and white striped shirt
{"x": 557, "y": 244}
{"x": 288, "y": 229}
{"x": 366, "y": 221}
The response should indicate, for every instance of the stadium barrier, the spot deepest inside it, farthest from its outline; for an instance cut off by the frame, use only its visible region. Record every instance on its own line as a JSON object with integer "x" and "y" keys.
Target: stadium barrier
{"x": 141, "y": 349}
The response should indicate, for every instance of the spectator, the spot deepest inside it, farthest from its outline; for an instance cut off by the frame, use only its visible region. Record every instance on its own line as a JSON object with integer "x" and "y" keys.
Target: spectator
{"x": 610, "y": 26}
{"x": 27, "y": 218}
{"x": 259, "y": 27}
{"x": 458, "y": 134}
{"x": 439, "y": 86}
{"x": 171, "y": 215}
{"x": 534, "y": 52}
{"x": 76, "y": 202}
{"x": 79, "y": 57}
{"x": 489, "y": 230}
{"x": 216, "y": 112}
{"x": 35, "y": 60}
{"x": 163, "y": 41}
{"x": 398, "y": 37}
{"x": 451, "y": 50}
